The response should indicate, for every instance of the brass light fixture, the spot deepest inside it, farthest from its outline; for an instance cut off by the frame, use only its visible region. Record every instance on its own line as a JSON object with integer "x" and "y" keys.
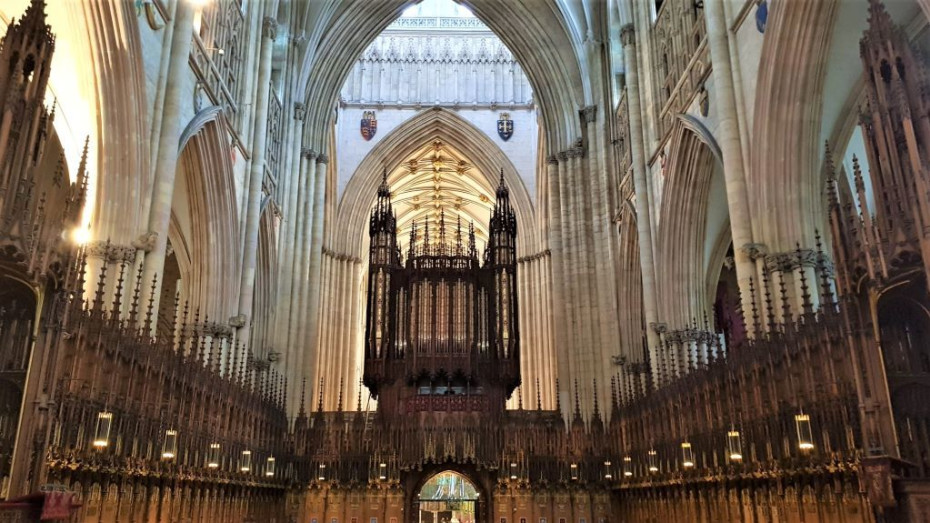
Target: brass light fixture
{"x": 574, "y": 471}
{"x": 687, "y": 455}
{"x": 805, "y": 434}
{"x": 269, "y": 466}
{"x": 245, "y": 461}
{"x": 652, "y": 460}
{"x": 102, "y": 432}
{"x": 734, "y": 446}
{"x": 169, "y": 449}
{"x": 213, "y": 456}
{"x": 627, "y": 467}
{"x": 607, "y": 472}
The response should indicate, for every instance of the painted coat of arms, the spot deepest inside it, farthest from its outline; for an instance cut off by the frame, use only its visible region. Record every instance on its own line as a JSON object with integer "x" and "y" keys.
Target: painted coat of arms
{"x": 369, "y": 125}
{"x": 505, "y": 126}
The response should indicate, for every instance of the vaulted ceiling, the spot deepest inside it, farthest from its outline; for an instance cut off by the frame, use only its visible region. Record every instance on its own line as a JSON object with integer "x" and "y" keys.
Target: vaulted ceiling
{"x": 438, "y": 183}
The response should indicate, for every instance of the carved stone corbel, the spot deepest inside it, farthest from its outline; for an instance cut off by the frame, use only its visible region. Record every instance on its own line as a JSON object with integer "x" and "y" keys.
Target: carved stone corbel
{"x": 300, "y": 110}
{"x": 628, "y": 35}
{"x": 146, "y": 241}
{"x": 588, "y": 114}
{"x": 269, "y": 28}
{"x": 754, "y": 251}
{"x": 238, "y": 321}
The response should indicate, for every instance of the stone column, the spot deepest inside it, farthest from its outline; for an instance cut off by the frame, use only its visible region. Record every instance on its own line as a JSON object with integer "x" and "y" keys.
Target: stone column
{"x": 729, "y": 140}
{"x": 297, "y": 327}
{"x": 166, "y": 161}
{"x": 311, "y": 309}
{"x": 556, "y": 271}
{"x": 296, "y": 271}
{"x": 257, "y": 168}
{"x": 640, "y": 185}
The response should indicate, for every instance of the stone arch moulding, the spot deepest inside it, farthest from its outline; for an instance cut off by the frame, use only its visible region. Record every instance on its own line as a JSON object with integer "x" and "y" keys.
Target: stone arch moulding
{"x": 784, "y": 176}
{"x": 214, "y": 220}
{"x": 537, "y": 38}
{"x": 359, "y": 194}
{"x": 682, "y": 233}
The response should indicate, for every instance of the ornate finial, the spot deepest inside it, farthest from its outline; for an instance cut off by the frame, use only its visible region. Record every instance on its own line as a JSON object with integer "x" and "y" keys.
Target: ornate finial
{"x": 597, "y": 408}
{"x": 319, "y": 406}
{"x": 756, "y": 324}
{"x": 558, "y": 398}
{"x": 520, "y": 398}
{"x": 826, "y": 289}
{"x": 770, "y": 310}
{"x": 412, "y": 247}
{"x": 785, "y": 303}
{"x": 303, "y": 391}
{"x": 134, "y": 306}
{"x": 538, "y": 395}
{"x": 150, "y": 309}
{"x": 358, "y": 403}
{"x": 577, "y": 417}
{"x": 101, "y": 280}
{"x": 458, "y": 235}
{"x": 805, "y": 289}
{"x": 339, "y": 403}
{"x": 118, "y": 292}
{"x": 857, "y": 172}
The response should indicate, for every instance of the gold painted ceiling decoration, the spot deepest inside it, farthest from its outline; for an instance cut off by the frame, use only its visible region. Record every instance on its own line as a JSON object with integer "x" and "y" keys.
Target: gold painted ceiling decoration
{"x": 437, "y": 182}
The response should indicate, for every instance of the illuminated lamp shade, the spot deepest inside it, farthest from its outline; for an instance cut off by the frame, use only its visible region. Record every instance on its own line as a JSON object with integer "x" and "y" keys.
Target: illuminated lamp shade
{"x": 734, "y": 446}
{"x": 805, "y": 434}
{"x": 652, "y": 460}
{"x": 213, "y": 456}
{"x": 170, "y": 448}
{"x": 245, "y": 461}
{"x": 687, "y": 455}
{"x": 102, "y": 432}
{"x": 627, "y": 467}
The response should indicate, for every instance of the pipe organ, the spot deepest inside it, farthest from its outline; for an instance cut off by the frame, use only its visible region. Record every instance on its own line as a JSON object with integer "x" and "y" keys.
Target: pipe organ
{"x": 441, "y": 320}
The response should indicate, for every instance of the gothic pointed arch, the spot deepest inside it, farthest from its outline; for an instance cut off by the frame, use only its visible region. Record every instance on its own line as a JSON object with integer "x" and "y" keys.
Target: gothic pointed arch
{"x": 784, "y": 178}
{"x": 683, "y": 230}
{"x": 538, "y": 38}
{"x": 204, "y": 213}
{"x": 425, "y": 127}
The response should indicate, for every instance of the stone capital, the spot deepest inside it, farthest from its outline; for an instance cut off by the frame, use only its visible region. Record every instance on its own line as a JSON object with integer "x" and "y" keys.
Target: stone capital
{"x": 552, "y": 159}
{"x": 627, "y": 35}
{"x": 322, "y": 158}
{"x": 308, "y": 153}
{"x": 238, "y": 321}
{"x": 269, "y": 28}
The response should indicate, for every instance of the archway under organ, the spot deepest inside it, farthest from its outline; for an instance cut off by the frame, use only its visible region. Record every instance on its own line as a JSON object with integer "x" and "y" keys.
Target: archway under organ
{"x": 447, "y": 497}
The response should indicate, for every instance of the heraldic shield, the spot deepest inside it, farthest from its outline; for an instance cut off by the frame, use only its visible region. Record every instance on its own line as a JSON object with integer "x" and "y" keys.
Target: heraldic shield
{"x": 369, "y": 125}
{"x": 505, "y": 126}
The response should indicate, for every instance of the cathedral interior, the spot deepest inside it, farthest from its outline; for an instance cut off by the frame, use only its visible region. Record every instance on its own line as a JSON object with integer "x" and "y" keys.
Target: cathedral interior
{"x": 465, "y": 261}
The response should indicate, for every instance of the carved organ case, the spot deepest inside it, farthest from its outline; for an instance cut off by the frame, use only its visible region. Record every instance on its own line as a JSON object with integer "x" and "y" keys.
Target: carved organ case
{"x": 441, "y": 330}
